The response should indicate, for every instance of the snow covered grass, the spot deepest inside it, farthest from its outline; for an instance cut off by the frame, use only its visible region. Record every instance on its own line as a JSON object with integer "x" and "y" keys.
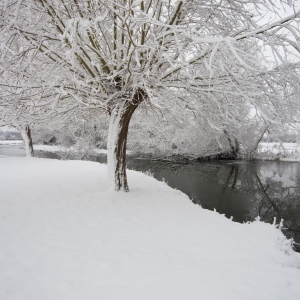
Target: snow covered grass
{"x": 64, "y": 235}
{"x": 12, "y": 142}
{"x": 51, "y": 148}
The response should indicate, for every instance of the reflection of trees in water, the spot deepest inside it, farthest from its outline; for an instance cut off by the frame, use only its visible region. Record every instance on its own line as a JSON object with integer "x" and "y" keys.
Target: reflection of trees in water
{"x": 272, "y": 197}
{"x": 282, "y": 202}
{"x": 201, "y": 171}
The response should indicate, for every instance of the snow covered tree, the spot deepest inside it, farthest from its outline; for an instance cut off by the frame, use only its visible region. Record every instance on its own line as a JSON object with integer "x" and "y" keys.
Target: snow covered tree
{"x": 13, "y": 117}
{"x": 183, "y": 135}
{"x": 83, "y": 133}
{"x": 113, "y": 55}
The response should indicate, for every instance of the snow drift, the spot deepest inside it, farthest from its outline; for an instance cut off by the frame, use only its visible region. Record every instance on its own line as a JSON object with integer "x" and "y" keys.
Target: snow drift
{"x": 65, "y": 235}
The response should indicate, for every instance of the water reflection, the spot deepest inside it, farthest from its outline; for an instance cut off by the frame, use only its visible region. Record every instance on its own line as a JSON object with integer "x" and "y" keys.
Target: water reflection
{"x": 242, "y": 190}
{"x": 277, "y": 199}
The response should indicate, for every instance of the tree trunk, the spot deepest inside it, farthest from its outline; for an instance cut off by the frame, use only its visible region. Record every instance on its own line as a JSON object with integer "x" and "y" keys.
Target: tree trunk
{"x": 258, "y": 140}
{"x": 26, "y": 134}
{"x": 117, "y": 140}
{"x": 234, "y": 145}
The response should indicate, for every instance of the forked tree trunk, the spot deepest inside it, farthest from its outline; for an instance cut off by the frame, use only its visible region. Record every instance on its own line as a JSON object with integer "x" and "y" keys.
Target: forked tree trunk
{"x": 260, "y": 135}
{"x": 117, "y": 140}
{"x": 26, "y": 134}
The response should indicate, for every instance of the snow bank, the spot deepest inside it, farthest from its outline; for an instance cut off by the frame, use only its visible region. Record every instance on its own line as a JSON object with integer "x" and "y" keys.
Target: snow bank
{"x": 51, "y": 148}
{"x": 12, "y": 142}
{"x": 63, "y": 235}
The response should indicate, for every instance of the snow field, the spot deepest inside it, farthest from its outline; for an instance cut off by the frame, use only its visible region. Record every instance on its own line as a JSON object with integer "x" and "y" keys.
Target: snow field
{"x": 52, "y": 148}
{"x": 12, "y": 142}
{"x": 65, "y": 235}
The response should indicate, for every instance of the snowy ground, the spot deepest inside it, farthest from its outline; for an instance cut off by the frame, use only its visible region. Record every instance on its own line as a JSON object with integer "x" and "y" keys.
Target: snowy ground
{"x": 63, "y": 149}
{"x": 11, "y": 142}
{"x": 63, "y": 235}
{"x": 50, "y": 148}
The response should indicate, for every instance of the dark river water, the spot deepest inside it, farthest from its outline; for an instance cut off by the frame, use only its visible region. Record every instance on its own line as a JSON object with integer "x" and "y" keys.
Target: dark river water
{"x": 238, "y": 189}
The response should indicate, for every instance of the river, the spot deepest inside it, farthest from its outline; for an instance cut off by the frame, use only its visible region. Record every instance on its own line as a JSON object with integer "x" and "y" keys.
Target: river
{"x": 240, "y": 190}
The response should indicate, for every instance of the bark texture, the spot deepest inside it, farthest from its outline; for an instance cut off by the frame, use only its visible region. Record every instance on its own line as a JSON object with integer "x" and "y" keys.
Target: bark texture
{"x": 28, "y": 141}
{"x": 117, "y": 140}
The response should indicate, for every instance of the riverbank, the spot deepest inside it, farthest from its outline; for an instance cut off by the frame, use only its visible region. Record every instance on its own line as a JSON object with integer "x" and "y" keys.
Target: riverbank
{"x": 12, "y": 142}
{"x": 64, "y": 235}
{"x": 265, "y": 151}
{"x": 278, "y": 151}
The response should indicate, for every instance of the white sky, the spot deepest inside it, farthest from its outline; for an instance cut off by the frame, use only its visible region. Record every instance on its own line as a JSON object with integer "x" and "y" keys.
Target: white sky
{"x": 282, "y": 11}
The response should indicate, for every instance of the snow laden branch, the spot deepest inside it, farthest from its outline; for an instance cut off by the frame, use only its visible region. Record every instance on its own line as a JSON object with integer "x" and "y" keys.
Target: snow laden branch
{"x": 113, "y": 55}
